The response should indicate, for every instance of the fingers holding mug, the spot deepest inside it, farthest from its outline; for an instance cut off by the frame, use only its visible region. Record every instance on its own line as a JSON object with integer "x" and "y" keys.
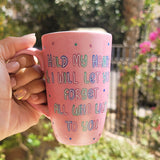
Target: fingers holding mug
{"x": 33, "y": 88}
{"x": 39, "y": 98}
{"x": 25, "y": 76}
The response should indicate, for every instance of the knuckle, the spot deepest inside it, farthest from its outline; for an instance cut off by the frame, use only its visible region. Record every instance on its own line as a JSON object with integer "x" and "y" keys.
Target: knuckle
{"x": 8, "y": 47}
{"x": 9, "y": 41}
{"x": 9, "y": 38}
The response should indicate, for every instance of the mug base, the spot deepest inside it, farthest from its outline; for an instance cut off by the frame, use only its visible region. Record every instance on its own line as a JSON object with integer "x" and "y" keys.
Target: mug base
{"x": 77, "y": 142}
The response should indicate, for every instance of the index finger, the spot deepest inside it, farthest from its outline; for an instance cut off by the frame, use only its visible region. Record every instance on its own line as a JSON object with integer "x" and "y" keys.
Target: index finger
{"x": 10, "y": 45}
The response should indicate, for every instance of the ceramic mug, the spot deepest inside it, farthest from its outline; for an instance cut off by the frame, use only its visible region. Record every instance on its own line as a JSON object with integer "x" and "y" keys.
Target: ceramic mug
{"x": 77, "y": 74}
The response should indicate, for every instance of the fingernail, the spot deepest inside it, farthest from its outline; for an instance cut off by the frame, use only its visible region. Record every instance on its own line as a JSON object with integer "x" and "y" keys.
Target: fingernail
{"x": 34, "y": 97}
{"x": 20, "y": 93}
{"x": 23, "y": 60}
{"x": 13, "y": 82}
{"x": 12, "y": 66}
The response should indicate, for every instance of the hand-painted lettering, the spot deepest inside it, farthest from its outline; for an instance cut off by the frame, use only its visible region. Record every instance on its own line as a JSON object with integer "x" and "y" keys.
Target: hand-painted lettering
{"x": 99, "y": 61}
{"x": 72, "y": 126}
{"x": 60, "y": 109}
{"x": 66, "y": 77}
{"x": 53, "y": 61}
{"x": 92, "y": 78}
{"x": 80, "y": 60}
{"x": 80, "y": 94}
{"x": 101, "y": 108}
{"x": 89, "y": 125}
{"x": 81, "y": 109}
{"x": 105, "y": 77}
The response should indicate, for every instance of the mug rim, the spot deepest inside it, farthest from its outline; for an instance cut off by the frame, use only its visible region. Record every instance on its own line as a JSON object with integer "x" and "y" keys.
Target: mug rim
{"x": 75, "y": 32}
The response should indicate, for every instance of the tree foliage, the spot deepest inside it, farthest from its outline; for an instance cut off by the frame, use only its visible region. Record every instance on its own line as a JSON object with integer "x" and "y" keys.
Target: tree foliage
{"x": 57, "y": 15}
{"x": 8, "y": 24}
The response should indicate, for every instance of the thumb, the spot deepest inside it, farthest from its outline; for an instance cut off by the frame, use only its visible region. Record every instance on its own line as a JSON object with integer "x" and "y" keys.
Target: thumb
{"x": 10, "y": 45}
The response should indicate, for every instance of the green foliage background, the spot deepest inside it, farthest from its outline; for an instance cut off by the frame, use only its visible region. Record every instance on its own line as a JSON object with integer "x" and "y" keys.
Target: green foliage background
{"x": 105, "y": 149}
{"x": 58, "y": 15}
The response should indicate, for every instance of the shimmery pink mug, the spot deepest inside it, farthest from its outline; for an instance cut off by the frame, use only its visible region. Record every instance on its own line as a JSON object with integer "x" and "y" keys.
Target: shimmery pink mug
{"x": 77, "y": 72}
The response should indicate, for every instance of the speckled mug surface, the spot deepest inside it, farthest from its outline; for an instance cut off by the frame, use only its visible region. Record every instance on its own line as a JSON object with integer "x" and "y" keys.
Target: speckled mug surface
{"x": 77, "y": 73}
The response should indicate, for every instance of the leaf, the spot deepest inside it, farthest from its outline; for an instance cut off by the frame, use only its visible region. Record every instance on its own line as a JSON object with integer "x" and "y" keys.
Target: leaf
{"x": 155, "y": 136}
{"x": 144, "y": 141}
{"x": 33, "y": 140}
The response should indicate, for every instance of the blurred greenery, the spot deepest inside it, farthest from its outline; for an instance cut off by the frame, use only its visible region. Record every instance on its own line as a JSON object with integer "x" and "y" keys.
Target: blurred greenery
{"x": 39, "y": 143}
{"x": 142, "y": 74}
{"x": 36, "y": 138}
{"x": 8, "y": 25}
{"x": 21, "y": 17}
{"x": 105, "y": 149}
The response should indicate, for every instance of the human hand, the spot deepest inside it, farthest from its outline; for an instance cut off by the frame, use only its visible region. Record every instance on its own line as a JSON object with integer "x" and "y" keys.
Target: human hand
{"x": 23, "y": 83}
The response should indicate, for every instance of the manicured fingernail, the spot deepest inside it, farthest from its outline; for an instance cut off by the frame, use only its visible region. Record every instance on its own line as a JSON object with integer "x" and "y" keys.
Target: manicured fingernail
{"x": 23, "y": 60}
{"x": 34, "y": 97}
{"x": 20, "y": 93}
{"x": 13, "y": 82}
{"x": 12, "y": 66}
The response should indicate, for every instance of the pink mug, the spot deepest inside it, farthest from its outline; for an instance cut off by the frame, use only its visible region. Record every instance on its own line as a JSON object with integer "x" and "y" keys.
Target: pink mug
{"x": 77, "y": 72}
